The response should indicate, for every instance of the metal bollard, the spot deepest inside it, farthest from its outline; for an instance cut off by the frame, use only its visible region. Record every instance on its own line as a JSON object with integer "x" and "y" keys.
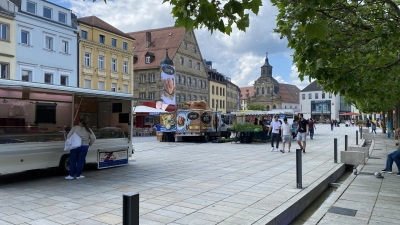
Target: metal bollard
{"x": 356, "y": 137}
{"x": 345, "y": 142}
{"x": 130, "y": 210}
{"x": 298, "y": 169}
{"x": 361, "y": 133}
{"x": 335, "y": 150}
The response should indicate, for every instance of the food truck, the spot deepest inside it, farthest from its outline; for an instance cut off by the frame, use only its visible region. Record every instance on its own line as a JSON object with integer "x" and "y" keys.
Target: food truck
{"x": 35, "y": 119}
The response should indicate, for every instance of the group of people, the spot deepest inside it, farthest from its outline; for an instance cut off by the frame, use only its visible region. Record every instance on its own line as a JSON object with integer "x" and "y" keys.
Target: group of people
{"x": 299, "y": 129}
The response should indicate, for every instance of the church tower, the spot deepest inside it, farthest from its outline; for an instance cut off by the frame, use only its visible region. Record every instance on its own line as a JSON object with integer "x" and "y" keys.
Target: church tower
{"x": 266, "y": 69}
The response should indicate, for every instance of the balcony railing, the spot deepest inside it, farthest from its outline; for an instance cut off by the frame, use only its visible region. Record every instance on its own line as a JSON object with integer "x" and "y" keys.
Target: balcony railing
{"x": 7, "y": 6}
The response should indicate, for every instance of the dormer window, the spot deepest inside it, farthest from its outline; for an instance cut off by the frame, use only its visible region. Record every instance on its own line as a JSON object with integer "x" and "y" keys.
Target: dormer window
{"x": 147, "y": 59}
{"x": 31, "y": 7}
{"x": 185, "y": 45}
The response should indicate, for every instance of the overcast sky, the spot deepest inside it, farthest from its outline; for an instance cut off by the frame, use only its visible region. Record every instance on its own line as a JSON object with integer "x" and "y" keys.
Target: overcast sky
{"x": 238, "y": 56}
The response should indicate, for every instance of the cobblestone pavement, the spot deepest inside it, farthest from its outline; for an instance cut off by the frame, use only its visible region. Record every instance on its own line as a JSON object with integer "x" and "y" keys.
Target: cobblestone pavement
{"x": 179, "y": 183}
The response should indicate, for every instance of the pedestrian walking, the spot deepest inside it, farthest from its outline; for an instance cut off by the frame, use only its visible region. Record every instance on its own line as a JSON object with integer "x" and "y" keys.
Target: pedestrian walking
{"x": 332, "y": 123}
{"x": 77, "y": 156}
{"x": 294, "y": 128}
{"x": 275, "y": 127}
{"x": 311, "y": 127}
{"x": 302, "y": 132}
{"x": 286, "y": 135}
{"x": 394, "y": 156}
{"x": 373, "y": 127}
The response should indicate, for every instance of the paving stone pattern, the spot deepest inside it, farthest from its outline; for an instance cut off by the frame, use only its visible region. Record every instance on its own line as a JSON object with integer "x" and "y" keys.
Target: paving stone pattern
{"x": 193, "y": 183}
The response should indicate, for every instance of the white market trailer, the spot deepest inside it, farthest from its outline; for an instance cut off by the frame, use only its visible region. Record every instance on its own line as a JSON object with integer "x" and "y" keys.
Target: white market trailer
{"x": 35, "y": 119}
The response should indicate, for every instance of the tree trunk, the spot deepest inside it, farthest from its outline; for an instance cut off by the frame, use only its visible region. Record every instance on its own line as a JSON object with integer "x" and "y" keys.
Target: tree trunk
{"x": 384, "y": 122}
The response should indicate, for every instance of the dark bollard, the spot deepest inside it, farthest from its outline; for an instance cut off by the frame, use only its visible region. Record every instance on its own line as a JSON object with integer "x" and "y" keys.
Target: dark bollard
{"x": 356, "y": 137}
{"x": 335, "y": 150}
{"x": 130, "y": 209}
{"x": 345, "y": 142}
{"x": 361, "y": 133}
{"x": 298, "y": 169}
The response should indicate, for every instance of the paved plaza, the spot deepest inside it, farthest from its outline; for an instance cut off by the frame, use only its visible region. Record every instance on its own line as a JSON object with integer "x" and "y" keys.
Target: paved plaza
{"x": 193, "y": 183}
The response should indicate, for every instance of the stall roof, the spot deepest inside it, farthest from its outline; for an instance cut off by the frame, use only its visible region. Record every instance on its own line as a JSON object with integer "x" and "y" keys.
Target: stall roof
{"x": 58, "y": 89}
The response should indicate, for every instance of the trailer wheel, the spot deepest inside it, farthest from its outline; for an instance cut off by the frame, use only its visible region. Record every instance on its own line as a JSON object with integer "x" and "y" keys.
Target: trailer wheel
{"x": 64, "y": 164}
{"x": 206, "y": 138}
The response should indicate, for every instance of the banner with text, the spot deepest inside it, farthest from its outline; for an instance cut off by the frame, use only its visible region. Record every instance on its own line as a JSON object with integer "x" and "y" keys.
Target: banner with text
{"x": 168, "y": 81}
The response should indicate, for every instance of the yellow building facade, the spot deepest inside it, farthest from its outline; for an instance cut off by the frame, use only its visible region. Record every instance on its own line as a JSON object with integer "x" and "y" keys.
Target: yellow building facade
{"x": 105, "y": 56}
{"x": 7, "y": 40}
{"x": 217, "y": 93}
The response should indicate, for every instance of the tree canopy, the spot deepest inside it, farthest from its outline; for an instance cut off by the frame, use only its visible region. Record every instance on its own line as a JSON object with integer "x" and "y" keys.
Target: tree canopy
{"x": 255, "y": 107}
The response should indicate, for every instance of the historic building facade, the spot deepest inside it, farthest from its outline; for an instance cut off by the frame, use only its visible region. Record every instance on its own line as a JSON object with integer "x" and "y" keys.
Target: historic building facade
{"x": 46, "y": 48}
{"x": 105, "y": 56}
{"x": 150, "y": 49}
{"x": 7, "y": 40}
{"x": 232, "y": 96}
{"x": 267, "y": 91}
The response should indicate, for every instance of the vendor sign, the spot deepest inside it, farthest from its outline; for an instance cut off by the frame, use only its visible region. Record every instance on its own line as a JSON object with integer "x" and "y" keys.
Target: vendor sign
{"x": 112, "y": 158}
{"x": 168, "y": 81}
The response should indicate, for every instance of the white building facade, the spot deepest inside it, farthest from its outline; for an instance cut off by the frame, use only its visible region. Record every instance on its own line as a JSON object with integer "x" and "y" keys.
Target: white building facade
{"x": 47, "y": 45}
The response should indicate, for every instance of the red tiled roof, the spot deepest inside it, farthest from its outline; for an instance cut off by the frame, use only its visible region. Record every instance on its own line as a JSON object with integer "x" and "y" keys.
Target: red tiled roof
{"x": 99, "y": 23}
{"x": 245, "y": 90}
{"x": 289, "y": 93}
{"x": 163, "y": 38}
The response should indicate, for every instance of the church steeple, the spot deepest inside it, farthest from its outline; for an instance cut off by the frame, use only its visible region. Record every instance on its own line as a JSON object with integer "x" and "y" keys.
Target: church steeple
{"x": 266, "y": 69}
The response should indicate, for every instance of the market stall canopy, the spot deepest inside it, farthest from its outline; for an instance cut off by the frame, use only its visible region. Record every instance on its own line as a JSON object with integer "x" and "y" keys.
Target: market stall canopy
{"x": 349, "y": 114}
{"x": 146, "y": 109}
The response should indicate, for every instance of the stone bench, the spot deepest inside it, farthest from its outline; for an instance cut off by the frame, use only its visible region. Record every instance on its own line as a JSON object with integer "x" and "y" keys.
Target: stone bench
{"x": 365, "y": 150}
{"x": 352, "y": 157}
{"x": 361, "y": 143}
{"x": 365, "y": 130}
{"x": 368, "y": 137}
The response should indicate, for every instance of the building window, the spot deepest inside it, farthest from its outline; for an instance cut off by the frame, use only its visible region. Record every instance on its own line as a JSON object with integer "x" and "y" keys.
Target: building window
{"x": 143, "y": 78}
{"x": 64, "y": 80}
{"x": 189, "y": 98}
{"x": 212, "y": 104}
{"x": 178, "y": 79}
{"x": 102, "y": 86}
{"x": 62, "y": 17}
{"x": 26, "y": 75}
{"x": 84, "y": 34}
{"x": 125, "y": 46}
{"x": 151, "y": 95}
{"x": 223, "y": 91}
{"x": 152, "y": 77}
{"x": 64, "y": 45}
{"x": 194, "y": 49}
{"x": 198, "y": 66}
{"x": 185, "y": 45}
{"x": 183, "y": 80}
{"x": 316, "y": 95}
{"x": 310, "y": 96}
{"x": 25, "y": 37}
{"x": 49, "y": 43}
{"x": 330, "y": 95}
{"x": 323, "y": 95}
{"x": 4, "y": 71}
{"x": 220, "y": 104}
{"x": 48, "y": 78}
{"x": 87, "y": 59}
{"x": 189, "y": 81}
{"x": 142, "y": 95}
{"x": 183, "y": 98}
{"x": 47, "y": 12}
{"x": 212, "y": 90}
{"x": 178, "y": 98}
{"x": 102, "y": 39}
{"x": 181, "y": 60}
{"x": 147, "y": 59}
{"x": 125, "y": 88}
{"x": 125, "y": 67}
{"x": 262, "y": 90}
{"x": 114, "y": 42}
{"x": 303, "y": 96}
{"x": 4, "y": 32}
{"x": 88, "y": 84}
{"x": 194, "y": 83}
{"x": 194, "y": 98}
{"x": 190, "y": 63}
{"x": 31, "y": 7}
{"x": 114, "y": 65}
{"x": 101, "y": 62}
{"x": 268, "y": 90}
{"x": 114, "y": 87}
{"x": 216, "y": 90}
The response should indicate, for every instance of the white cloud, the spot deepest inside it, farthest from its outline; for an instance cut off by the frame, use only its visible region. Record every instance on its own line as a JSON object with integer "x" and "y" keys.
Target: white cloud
{"x": 294, "y": 76}
{"x": 280, "y": 79}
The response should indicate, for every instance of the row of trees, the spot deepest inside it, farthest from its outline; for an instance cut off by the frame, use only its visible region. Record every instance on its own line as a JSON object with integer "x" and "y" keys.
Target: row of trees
{"x": 348, "y": 46}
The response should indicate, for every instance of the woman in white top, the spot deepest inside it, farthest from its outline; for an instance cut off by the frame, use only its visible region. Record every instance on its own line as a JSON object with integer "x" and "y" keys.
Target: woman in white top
{"x": 77, "y": 155}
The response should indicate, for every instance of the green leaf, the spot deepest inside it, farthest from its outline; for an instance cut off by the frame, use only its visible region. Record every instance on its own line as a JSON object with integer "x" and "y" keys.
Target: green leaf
{"x": 255, "y": 6}
{"x": 318, "y": 30}
{"x": 243, "y": 23}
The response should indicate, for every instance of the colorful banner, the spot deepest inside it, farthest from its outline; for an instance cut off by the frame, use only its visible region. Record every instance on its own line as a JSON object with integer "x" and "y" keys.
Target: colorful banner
{"x": 168, "y": 122}
{"x": 168, "y": 80}
{"x": 110, "y": 159}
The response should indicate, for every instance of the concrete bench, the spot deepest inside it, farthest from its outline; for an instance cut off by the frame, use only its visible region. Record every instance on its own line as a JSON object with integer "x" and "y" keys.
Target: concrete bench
{"x": 361, "y": 143}
{"x": 365, "y": 150}
{"x": 365, "y": 130}
{"x": 368, "y": 137}
{"x": 352, "y": 157}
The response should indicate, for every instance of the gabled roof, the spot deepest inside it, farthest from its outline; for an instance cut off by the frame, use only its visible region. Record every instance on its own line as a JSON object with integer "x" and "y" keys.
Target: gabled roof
{"x": 312, "y": 87}
{"x": 101, "y": 24}
{"x": 163, "y": 38}
{"x": 246, "y": 90}
{"x": 289, "y": 93}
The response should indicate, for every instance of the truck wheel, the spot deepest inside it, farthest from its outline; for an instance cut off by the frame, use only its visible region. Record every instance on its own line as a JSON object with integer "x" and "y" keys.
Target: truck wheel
{"x": 206, "y": 138}
{"x": 64, "y": 164}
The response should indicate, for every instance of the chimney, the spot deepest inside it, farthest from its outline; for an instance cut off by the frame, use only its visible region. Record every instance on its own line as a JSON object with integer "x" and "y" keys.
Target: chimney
{"x": 148, "y": 39}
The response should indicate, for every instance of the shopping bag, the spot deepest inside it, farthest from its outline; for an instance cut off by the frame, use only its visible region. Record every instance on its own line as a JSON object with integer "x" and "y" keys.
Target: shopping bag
{"x": 73, "y": 142}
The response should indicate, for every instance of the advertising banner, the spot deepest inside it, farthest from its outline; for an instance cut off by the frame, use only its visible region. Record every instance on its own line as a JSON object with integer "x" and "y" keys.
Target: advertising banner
{"x": 112, "y": 158}
{"x": 168, "y": 80}
{"x": 168, "y": 122}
